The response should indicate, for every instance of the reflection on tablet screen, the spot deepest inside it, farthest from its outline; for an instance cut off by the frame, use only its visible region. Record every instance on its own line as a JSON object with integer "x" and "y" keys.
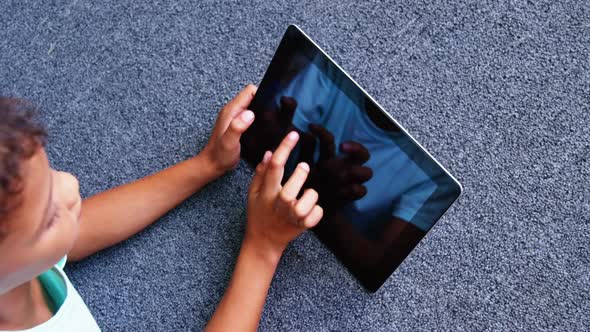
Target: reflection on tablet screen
{"x": 381, "y": 192}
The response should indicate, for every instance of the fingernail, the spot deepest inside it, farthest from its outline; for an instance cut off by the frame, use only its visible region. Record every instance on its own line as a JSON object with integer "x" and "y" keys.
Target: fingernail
{"x": 248, "y": 116}
{"x": 293, "y": 135}
{"x": 304, "y": 166}
{"x": 266, "y": 156}
{"x": 345, "y": 146}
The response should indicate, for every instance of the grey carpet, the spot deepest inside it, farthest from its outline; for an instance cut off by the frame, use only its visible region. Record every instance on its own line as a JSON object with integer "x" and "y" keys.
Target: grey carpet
{"x": 497, "y": 91}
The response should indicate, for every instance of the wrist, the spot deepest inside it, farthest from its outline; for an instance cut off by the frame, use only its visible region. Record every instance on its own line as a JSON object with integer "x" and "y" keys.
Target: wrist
{"x": 262, "y": 250}
{"x": 208, "y": 164}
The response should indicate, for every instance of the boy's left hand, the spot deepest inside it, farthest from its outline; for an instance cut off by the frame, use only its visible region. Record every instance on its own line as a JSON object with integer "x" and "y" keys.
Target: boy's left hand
{"x": 223, "y": 149}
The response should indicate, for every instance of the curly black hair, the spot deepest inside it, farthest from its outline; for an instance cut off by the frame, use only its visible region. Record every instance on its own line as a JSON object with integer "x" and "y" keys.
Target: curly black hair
{"x": 21, "y": 134}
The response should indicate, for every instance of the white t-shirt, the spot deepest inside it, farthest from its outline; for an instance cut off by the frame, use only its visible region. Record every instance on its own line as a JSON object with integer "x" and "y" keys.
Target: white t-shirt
{"x": 72, "y": 315}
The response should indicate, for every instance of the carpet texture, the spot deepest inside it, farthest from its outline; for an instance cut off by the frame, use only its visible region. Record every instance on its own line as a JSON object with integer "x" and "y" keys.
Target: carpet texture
{"x": 499, "y": 92}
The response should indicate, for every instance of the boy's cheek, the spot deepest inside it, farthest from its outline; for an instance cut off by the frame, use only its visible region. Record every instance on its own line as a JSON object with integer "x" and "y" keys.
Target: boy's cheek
{"x": 70, "y": 236}
{"x": 60, "y": 242}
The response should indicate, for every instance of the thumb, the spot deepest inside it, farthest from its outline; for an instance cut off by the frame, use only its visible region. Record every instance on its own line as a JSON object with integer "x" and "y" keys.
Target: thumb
{"x": 259, "y": 175}
{"x": 236, "y": 128}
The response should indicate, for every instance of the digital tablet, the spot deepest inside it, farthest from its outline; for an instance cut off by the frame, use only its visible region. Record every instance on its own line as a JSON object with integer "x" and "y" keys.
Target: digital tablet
{"x": 380, "y": 189}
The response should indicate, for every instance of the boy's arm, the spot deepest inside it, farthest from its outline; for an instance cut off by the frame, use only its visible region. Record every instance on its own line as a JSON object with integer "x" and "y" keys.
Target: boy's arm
{"x": 114, "y": 215}
{"x": 242, "y": 304}
{"x": 275, "y": 217}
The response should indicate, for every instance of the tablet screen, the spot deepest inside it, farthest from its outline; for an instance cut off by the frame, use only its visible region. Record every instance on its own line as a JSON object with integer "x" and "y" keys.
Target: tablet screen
{"x": 380, "y": 190}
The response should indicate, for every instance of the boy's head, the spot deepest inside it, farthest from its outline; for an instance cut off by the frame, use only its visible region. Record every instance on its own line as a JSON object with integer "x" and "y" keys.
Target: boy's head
{"x": 39, "y": 207}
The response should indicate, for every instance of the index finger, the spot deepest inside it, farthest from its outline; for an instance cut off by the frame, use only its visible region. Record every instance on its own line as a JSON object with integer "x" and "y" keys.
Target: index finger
{"x": 327, "y": 148}
{"x": 287, "y": 109}
{"x": 356, "y": 152}
{"x": 276, "y": 166}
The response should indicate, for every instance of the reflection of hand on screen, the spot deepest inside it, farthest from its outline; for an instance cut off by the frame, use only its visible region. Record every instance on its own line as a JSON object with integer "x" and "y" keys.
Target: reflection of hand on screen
{"x": 339, "y": 178}
{"x": 270, "y": 125}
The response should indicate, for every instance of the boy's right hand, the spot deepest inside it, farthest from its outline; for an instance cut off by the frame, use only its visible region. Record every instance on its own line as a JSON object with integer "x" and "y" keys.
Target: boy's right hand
{"x": 275, "y": 215}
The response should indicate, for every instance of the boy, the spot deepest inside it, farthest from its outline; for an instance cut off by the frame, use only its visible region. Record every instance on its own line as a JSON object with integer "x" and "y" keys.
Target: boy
{"x": 43, "y": 219}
